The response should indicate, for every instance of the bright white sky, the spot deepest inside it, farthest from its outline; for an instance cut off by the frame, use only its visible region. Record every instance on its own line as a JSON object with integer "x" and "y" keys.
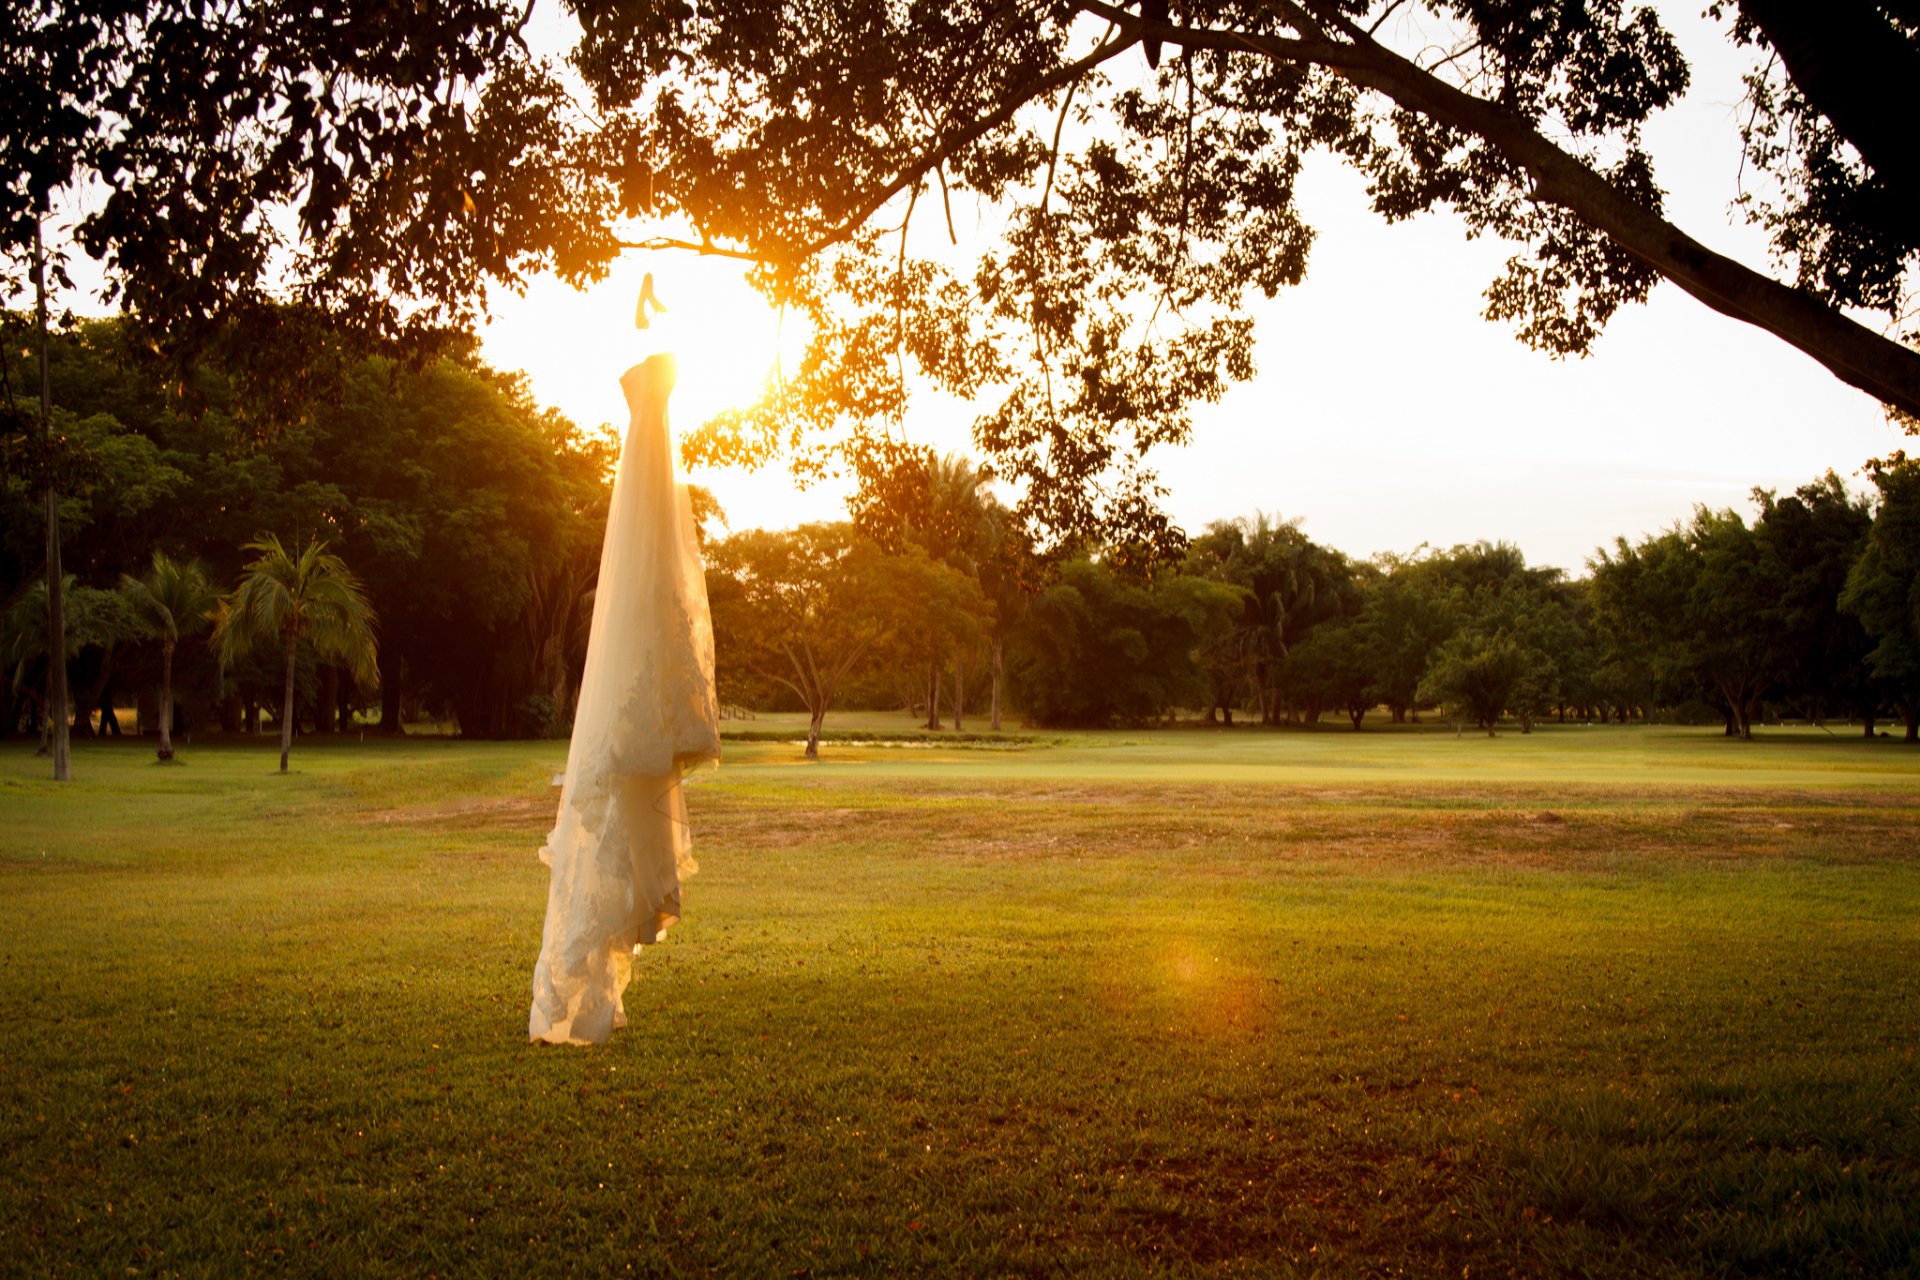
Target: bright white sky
{"x": 1386, "y": 412}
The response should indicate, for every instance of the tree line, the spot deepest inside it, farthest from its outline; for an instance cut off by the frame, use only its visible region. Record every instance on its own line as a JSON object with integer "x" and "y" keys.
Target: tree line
{"x": 461, "y": 523}
{"x": 1807, "y": 608}
{"x": 466, "y": 518}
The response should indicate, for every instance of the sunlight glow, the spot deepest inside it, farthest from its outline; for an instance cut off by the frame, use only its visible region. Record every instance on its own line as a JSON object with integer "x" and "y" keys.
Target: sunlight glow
{"x": 575, "y": 344}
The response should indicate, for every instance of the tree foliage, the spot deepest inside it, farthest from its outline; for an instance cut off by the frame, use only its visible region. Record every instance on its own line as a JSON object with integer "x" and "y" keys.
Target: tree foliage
{"x": 1883, "y": 588}
{"x": 378, "y": 166}
{"x": 1096, "y": 648}
{"x": 375, "y": 163}
{"x": 472, "y": 515}
{"x": 809, "y": 608}
{"x": 1133, "y": 216}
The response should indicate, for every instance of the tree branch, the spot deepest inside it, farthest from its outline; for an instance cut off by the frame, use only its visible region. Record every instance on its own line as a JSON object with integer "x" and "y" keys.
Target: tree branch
{"x": 1855, "y": 354}
{"x": 705, "y": 248}
{"x": 947, "y": 148}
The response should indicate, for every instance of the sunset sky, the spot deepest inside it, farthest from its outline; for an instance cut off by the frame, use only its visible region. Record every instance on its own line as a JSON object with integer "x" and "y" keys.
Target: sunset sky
{"x": 1386, "y": 412}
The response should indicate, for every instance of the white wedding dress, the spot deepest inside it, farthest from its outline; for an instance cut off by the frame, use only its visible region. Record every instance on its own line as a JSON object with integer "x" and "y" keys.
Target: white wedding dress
{"x": 619, "y": 846}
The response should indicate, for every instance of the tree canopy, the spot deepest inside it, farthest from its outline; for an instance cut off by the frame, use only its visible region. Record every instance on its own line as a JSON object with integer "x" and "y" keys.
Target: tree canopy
{"x": 1134, "y": 216}
{"x": 381, "y": 165}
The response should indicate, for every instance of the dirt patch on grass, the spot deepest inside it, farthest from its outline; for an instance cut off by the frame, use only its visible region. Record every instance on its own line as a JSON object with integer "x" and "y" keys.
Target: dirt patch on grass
{"x": 479, "y": 813}
{"x": 1214, "y": 832}
{"x": 1229, "y": 831}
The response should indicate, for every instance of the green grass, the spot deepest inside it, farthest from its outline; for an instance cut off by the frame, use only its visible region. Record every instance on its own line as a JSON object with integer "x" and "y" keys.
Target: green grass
{"x": 1587, "y": 1002}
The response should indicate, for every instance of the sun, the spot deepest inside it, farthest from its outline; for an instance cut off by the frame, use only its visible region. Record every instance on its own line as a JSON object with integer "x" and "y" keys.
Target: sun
{"x": 573, "y": 346}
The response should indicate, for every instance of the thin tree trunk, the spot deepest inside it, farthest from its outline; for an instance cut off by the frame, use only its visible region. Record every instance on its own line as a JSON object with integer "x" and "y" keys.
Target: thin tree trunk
{"x": 813, "y": 733}
{"x": 1911, "y": 714}
{"x": 286, "y": 713}
{"x": 390, "y": 690}
{"x": 959, "y": 693}
{"x": 166, "y": 700}
{"x": 996, "y": 685}
{"x": 57, "y": 696}
{"x": 933, "y": 694}
{"x": 328, "y": 703}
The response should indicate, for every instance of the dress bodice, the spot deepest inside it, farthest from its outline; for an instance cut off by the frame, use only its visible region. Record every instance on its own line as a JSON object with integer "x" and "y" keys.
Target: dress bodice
{"x": 653, "y": 376}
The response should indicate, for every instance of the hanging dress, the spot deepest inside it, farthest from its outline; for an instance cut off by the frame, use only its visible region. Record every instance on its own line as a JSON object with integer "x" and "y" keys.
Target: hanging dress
{"x": 620, "y": 844}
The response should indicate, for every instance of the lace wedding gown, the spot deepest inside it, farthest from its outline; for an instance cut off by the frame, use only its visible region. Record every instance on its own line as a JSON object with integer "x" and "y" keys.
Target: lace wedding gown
{"x": 619, "y": 846}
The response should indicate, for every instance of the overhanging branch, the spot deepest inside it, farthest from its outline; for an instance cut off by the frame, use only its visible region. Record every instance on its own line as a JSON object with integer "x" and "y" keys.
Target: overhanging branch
{"x": 1851, "y": 351}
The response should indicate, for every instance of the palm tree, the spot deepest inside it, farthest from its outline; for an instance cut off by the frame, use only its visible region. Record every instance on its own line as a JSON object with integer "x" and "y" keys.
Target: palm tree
{"x": 285, "y": 599}
{"x": 173, "y": 600}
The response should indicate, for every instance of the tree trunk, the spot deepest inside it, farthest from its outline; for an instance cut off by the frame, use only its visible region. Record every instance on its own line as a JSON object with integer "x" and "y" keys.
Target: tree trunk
{"x": 166, "y": 700}
{"x": 97, "y": 697}
{"x": 327, "y": 705}
{"x": 1867, "y": 722}
{"x": 996, "y": 685}
{"x": 959, "y": 693}
{"x": 1911, "y": 714}
{"x": 390, "y": 699}
{"x": 1841, "y": 58}
{"x": 57, "y": 696}
{"x": 1356, "y": 717}
{"x": 286, "y": 707}
{"x": 813, "y": 733}
{"x": 933, "y": 695}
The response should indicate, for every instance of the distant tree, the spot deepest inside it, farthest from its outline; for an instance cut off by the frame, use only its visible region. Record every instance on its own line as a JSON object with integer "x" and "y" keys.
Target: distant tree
{"x": 98, "y": 621}
{"x": 1403, "y": 619}
{"x": 945, "y": 622}
{"x": 1329, "y": 669}
{"x": 1288, "y": 584}
{"x": 1475, "y": 676}
{"x": 173, "y": 600}
{"x": 456, "y": 498}
{"x": 286, "y": 598}
{"x": 804, "y": 609}
{"x": 1514, "y": 634}
{"x": 1097, "y": 647}
{"x": 940, "y": 504}
{"x": 1883, "y": 588}
{"x": 1734, "y": 635}
{"x": 1641, "y": 596}
{"x": 1811, "y": 539}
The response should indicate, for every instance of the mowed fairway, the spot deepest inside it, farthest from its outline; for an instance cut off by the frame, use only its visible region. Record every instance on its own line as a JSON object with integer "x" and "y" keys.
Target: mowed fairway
{"x": 1591, "y": 1001}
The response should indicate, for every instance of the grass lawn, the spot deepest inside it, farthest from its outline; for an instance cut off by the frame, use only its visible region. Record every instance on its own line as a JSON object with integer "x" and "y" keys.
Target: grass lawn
{"x": 1590, "y": 1001}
